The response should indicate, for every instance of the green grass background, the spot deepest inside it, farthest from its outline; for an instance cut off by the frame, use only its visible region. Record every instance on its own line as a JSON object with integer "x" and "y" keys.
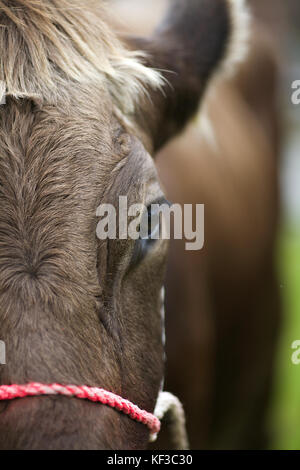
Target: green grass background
{"x": 285, "y": 413}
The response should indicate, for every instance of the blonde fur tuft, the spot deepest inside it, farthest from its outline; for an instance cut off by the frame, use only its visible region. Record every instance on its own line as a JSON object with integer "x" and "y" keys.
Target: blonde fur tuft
{"x": 46, "y": 44}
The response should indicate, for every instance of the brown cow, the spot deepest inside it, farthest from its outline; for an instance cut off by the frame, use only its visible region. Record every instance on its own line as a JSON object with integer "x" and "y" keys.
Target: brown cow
{"x": 75, "y": 132}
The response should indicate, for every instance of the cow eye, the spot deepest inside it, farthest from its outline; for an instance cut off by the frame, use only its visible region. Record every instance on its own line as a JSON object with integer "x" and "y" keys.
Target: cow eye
{"x": 151, "y": 233}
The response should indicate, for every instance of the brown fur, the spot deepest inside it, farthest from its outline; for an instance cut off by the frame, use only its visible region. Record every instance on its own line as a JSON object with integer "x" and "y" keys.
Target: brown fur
{"x": 73, "y": 309}
{"x": 51, "y": 297}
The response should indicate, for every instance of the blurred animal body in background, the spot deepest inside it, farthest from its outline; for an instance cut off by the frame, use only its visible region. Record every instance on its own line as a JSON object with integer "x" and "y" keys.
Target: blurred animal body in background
{"x": 223, "y": 304}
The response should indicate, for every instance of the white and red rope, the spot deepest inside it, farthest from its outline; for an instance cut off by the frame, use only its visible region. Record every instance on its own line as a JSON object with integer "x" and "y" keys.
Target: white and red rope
{"x": 10, "y": 392}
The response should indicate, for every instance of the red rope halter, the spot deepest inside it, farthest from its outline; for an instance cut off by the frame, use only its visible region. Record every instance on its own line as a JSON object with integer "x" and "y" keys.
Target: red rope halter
{"x": 10, "y": 392}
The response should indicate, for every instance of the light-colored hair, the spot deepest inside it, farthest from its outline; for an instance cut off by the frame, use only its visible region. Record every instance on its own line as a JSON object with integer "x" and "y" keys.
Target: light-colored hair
{"x": 44, "y": 44}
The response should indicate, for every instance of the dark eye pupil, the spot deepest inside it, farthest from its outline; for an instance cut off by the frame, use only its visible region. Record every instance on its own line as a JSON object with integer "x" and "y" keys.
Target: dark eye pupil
{"x": 149, "y": 237}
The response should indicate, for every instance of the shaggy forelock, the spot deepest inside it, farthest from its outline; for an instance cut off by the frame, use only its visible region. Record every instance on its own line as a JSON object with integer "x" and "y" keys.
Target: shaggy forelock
{"x": 45, "y": 45}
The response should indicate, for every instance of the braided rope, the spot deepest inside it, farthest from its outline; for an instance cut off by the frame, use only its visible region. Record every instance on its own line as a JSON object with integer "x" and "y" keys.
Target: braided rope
{"x": 168, "y": 404}
{"x": 10, "y": 392}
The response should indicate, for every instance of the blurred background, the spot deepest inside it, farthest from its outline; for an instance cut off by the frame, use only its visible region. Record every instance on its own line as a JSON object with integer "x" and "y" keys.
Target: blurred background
{"x": 285, "y": 413}
{"x": 279, "y": 26}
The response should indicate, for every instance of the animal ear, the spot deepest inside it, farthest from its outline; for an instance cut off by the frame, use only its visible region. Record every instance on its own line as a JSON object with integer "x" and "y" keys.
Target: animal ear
{"x": 197, "y": 39}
